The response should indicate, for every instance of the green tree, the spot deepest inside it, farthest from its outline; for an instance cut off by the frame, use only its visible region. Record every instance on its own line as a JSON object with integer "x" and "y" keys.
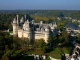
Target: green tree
{"x": 40, "y": 42}
{"x": 52, "y": 41}
{"x": 60, "y": 25}
{"x": 61, "y": 39}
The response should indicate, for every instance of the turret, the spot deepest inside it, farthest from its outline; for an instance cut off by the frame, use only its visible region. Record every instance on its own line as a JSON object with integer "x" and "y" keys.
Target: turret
{"x": 17, "y": 19}
{"x": 25, "y": 17}
{"x": 14, "y": 27}
{"x": 22, "y": 20}
{"x": 27, "y": 28}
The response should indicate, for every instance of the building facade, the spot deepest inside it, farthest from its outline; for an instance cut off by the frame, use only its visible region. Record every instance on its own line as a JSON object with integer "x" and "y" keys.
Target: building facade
{"x": 24, "y": 28}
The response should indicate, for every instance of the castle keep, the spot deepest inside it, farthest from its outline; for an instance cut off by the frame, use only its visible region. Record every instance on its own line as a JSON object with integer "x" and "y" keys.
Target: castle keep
{"x": 24, "y": 28}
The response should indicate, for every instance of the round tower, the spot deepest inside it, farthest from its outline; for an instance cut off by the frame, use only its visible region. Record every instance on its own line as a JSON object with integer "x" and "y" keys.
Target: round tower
{"x": 14, "y": 24}
{"x": 46, "y": 34}
{"x": 17, "y": 19}
{"x": 27, "y": 28}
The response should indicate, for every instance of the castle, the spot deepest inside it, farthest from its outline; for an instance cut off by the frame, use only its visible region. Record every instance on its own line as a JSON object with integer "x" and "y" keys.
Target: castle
{"x": 24, "y": 28}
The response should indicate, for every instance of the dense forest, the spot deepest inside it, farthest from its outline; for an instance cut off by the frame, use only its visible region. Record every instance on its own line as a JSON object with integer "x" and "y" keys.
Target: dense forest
{"x": 47, "y": 13}
{"x": 6, "y": 16}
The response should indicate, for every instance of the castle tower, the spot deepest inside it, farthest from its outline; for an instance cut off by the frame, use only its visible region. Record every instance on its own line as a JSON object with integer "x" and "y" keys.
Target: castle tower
{"x": 27, "y": 28}
{"x": 14, "y": 24}
{"x": 17, "y": 19}
{"x": 46, "y": 34}
{"x": 25, "y": 17}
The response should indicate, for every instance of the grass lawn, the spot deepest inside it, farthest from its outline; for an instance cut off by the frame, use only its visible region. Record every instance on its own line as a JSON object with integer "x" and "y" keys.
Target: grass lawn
{"x": 56, "y": 53}
{"x": 66, "y": 50}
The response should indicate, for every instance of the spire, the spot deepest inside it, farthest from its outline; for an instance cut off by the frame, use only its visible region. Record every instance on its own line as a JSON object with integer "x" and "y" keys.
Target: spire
{"x": 14, "y": 21}
{"x": 22, "y": 20}
{"x": 27, "y": 21}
